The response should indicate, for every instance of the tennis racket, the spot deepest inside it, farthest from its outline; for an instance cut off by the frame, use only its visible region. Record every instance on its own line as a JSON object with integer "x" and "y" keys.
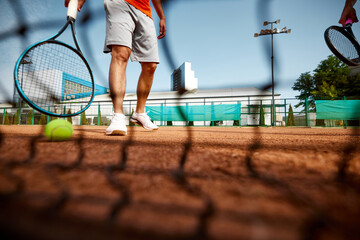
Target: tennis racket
{"x": 51, "y": 76}
{"x": 342, "y": 42}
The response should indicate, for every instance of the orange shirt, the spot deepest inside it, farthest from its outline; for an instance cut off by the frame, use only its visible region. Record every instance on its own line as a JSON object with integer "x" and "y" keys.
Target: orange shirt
{"x": 142, "y": 5}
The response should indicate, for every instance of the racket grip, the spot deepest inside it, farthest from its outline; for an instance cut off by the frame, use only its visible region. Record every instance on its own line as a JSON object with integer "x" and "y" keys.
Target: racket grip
{"x": 349, "y": 21}
{"x": 72, "y": 9}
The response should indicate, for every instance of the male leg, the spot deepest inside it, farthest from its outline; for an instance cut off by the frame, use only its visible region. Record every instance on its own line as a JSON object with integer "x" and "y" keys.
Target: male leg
{"x": 143, "y": 89}
{"x": 117, "y": 83}
{"x": 144, "y": 85}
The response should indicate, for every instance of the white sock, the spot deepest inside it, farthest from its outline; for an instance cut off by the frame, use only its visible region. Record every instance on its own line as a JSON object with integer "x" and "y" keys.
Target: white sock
{"x": 119, "y": 114}
{"x": 139, "y": 113}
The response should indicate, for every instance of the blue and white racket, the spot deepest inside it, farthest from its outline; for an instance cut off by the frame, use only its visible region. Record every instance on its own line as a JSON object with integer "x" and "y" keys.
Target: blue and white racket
{"x": 51, "y": 75}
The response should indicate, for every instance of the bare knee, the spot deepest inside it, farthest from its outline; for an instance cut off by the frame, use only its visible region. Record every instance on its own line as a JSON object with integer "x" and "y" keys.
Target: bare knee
{"x": 148, "y": 68}
{"x": 120, "y": 54}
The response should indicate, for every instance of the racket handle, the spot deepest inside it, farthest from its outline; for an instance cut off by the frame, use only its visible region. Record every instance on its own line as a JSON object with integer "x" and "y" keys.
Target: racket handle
{"x": 72, "y": 9}
{"x": 349, "y": 21}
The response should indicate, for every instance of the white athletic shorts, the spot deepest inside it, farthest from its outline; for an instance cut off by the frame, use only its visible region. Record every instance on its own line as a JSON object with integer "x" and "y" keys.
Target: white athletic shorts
{"x": 128, "y": 26}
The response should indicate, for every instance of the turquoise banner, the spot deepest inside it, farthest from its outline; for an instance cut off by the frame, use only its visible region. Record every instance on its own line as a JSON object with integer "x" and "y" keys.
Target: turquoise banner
{"x": 195, "y": 112}
{"x": 338, "y": 109}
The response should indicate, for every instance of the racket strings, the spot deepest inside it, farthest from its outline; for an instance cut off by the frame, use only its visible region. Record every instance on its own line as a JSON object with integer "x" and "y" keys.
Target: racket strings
{"x": 50, "y": 74}
{"x": 343, "y": 45}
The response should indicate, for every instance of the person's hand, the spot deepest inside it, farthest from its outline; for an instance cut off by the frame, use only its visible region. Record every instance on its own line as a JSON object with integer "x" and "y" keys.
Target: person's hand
{"x": 80, "y": 4}
{"x": 162, "y": 31}
{"x": 348, "y": 12}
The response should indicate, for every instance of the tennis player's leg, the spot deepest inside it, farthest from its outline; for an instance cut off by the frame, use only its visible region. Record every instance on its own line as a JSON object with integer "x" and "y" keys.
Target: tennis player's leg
{"x": 119, "y": 27}
{"x": 117, "y": 83}
{"x": 145, "y": 51}
{"x": 144, "y": 85}
{"x": 139, "y": 117}
{"x": 117, "y": 76}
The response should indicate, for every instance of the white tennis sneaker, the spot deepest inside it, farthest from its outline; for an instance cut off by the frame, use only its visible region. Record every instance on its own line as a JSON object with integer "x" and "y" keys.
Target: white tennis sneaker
{"x": 143, "y": 120}
{"x": 117, "y": 126}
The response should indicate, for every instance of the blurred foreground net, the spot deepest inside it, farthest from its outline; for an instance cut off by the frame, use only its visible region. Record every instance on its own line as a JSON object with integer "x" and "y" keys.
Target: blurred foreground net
{"x": 178, "y": 183}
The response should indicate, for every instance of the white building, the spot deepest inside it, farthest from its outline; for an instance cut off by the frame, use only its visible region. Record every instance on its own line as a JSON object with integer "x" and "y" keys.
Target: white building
{"x": 184, "y": 78}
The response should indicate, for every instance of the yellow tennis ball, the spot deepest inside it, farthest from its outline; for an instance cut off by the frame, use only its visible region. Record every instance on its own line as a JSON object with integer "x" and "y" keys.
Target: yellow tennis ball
{"x": 58, "y": 130}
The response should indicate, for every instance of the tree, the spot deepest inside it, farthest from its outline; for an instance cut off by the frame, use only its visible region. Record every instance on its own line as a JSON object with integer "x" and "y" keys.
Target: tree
{"x": 352, "y": 89}
{"x": 330, "y": 80}
{"x": 29, "y": 120}
{"x": 7, "y": 120}
{"x": 83, "y": 119}
{"x": 42, "y": 119}
{"x": 17, "y": 119}
{"x": 290, "y": 120}
{"x": 306, "y": 85}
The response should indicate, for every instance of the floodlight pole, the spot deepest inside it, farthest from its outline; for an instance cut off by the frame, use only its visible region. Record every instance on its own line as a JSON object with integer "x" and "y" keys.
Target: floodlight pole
{"x": 271, "y": 32}
{"x": 272, "y": 80}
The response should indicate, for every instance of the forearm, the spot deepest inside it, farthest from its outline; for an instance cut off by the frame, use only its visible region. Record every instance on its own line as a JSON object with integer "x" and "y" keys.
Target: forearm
{"x": 350, "y": 3}
{"x": 158, "y": 8}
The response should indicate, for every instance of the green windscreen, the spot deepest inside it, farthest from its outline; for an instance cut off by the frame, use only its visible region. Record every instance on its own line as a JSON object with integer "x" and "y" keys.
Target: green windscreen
{"x": 338, "y": 109}
{"x": 195, "y": 112}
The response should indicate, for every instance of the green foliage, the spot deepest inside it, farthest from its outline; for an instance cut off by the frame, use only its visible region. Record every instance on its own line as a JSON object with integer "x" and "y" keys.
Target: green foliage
{"x": 330, "y": 80}
{"x": 7, "y": 120}
{"x": 29, "y": 120}
{"x": 69, "y": 119}
{"x": 42, "y": 119}
{"x": 131, "y": 123}
{"x": 17, "y": 117}
{"x": 353, "y": 88}
{"x": 83, "y": 119}
{"x": 236, "y": 123}
{"x": 305, "y": 84}
{"x": 290, "y": 119}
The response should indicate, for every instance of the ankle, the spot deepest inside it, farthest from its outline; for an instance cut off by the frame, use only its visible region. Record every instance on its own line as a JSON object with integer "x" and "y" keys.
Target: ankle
{"x": 119, "y": 114}
{"x": 140, "y": 113}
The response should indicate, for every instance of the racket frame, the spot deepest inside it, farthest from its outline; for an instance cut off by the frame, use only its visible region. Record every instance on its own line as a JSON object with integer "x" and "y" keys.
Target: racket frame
{"x": 70, "y": 21}
{"x": 348, "y": 33}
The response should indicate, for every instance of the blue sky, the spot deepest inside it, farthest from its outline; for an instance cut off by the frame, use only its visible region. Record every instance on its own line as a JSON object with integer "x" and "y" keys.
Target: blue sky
{"x": 217, "y": 37}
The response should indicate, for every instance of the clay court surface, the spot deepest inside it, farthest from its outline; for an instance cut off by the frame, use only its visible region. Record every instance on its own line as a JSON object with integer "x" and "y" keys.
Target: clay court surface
{"x": 236, "y": 183}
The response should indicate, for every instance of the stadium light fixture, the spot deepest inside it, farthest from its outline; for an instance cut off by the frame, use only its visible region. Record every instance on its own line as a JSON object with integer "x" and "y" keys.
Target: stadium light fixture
{"x": 267, "y": 22}
{"x": 271, "y": 32}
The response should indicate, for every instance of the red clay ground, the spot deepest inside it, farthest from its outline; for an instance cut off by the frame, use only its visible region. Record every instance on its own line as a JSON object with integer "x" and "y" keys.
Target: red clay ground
{"x": 237, "y": 183}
